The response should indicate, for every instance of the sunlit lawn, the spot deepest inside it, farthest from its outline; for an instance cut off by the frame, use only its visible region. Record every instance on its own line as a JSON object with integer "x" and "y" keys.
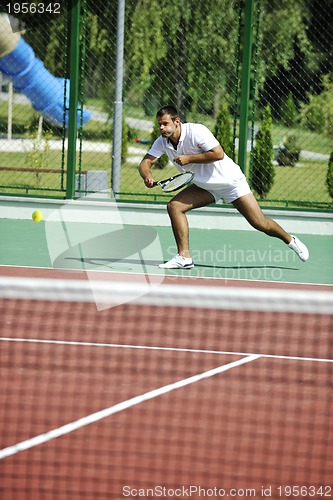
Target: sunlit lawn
{"x": 304, "y": 182}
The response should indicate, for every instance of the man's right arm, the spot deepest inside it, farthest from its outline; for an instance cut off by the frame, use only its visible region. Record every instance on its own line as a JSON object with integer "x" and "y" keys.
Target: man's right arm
{"x": 144, "y": 168}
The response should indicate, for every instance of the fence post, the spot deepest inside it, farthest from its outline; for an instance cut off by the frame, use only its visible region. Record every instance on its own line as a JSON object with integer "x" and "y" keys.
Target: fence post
{"x": 118, "y": 103}
{"x": 73, "y": 95}
{"x": 245, "y": 84}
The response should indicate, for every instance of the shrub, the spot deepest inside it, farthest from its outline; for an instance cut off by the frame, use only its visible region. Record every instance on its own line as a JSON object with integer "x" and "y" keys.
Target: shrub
{"x": 289, "y": 151}
{"x": 318, "y": 113}
{"x": 125, "y": 137}
{"x": 222, "y": 129}
{"x": 329, "y": 177}
{"x": 163, "y": 160}
{"x": 288, "y": 111}
{"x": 124, "y": 140}
{"x": 37, "y": 158}
{"x": 312, "y": 117}
{"x": 262, "y": 159}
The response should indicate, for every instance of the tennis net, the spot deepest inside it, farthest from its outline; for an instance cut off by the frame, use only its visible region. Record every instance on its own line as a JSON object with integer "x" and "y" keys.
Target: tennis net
{"x": 168, "y": 391}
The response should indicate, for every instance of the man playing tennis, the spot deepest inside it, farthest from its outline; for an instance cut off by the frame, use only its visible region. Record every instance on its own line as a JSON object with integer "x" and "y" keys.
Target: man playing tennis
{"x": 191, "y": 146}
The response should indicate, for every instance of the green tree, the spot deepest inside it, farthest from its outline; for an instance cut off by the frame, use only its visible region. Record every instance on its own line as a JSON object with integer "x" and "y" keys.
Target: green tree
{"x": 318, "y": 113}
{"x": 222, "y": 129}
{"x": 327, "y": 100}
{"x": 286, "y": 52}
{"x": 284, "y": 27}
{"x": 312, "y": 117}
{"x": 155, "y": 134}
{"x": 329, "y": 177}
{"x": 262, "y": 160}
{"x": 182, "y": 52}
{"x": 124, "y": 140}
{"x": 288, "y": 111}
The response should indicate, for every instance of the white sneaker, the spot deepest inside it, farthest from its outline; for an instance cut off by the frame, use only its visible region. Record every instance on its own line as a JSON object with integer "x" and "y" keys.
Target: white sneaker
{"x": 299, "y": 248}
{"x": 178, "y": 262}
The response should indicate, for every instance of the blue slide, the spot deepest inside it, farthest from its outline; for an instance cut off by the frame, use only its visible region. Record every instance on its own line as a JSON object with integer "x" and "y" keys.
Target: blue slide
{"x": 31, "y": 78}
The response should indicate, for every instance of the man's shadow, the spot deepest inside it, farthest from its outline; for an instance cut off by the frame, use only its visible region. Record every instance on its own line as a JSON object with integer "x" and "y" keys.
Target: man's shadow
{"x": 115, "y": 246}
{"x": 126, "y": 246}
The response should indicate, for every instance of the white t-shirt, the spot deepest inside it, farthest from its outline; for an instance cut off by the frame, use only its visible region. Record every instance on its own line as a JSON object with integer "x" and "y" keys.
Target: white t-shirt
{"x": 194, "y": 139}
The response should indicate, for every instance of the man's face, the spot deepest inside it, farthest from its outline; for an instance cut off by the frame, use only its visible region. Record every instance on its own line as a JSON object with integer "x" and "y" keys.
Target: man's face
{"x": 168, "y": 127}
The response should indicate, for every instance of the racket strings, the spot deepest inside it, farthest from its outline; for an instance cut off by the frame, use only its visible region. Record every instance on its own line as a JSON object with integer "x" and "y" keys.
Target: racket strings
{"x": 178, "y": 181}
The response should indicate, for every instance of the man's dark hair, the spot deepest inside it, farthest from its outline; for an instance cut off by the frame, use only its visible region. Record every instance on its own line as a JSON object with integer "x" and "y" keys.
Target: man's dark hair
{"x": 167, "y": 110}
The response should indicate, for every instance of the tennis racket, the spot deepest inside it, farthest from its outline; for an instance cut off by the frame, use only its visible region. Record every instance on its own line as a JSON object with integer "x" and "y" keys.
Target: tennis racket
{"x": 175, "y": 182}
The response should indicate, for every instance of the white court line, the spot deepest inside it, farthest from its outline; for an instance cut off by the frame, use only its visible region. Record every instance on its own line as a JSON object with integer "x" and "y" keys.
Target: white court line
{"x": 157, "y": 348}
{"x": 124, "y": 405}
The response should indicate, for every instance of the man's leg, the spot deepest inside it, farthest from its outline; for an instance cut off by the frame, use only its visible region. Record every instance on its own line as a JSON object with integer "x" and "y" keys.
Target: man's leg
{"x": 247, "y": 205}
{"x": 189, "y": 198}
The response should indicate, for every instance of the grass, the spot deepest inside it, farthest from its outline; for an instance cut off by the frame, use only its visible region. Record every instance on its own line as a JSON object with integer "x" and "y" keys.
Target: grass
{"x": 36, "y": 182}
{"x": 308, "y": 141}
{"x": 303, "y": 183}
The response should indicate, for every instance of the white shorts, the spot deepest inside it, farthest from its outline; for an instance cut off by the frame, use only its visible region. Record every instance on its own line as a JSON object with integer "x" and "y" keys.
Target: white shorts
{"x": 232, "y": 192}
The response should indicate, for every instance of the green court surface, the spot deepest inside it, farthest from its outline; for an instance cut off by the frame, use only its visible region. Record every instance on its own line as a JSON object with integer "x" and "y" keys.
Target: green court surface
{"x": 224, "y": 254}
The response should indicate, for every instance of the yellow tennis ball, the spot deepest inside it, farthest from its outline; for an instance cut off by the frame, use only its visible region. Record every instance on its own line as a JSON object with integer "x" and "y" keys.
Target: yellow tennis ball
{"x": 37, "y": 216}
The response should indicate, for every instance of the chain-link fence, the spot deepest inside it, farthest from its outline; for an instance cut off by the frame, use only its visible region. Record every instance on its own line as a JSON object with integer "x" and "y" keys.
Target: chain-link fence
{"x": 33, "y": 117}
{"x": 183, "y": 52}
{"x": 293, "y": 81}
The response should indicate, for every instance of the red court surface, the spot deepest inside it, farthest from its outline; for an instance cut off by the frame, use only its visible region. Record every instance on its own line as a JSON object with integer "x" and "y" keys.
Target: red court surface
{"x": 175, "y": 403}
{"x": 252, "y": 415}
{"x": 38, "y": 272}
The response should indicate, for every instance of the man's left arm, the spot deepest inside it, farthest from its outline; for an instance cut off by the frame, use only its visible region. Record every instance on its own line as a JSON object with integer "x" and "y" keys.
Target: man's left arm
{"x": 210, "y": 156}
